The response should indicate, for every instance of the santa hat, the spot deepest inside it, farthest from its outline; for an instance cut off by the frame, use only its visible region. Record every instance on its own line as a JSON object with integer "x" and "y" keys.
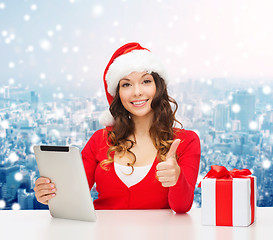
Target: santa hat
{"x": 131, "y": 57}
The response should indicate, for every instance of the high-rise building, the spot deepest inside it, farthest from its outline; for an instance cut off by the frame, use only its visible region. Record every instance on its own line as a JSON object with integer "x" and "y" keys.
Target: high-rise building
{"x": 243, "y": 108}
{"x": 6, "y": 96}
{"x": 34, "y": 99}
{"x": 9, "y": 185}
{"x": 25, "y": 199}
{"x": 220, "y": 116}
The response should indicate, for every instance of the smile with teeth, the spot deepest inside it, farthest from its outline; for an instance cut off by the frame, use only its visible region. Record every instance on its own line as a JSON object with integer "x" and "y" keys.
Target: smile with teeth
{"x": 139, "y": 103}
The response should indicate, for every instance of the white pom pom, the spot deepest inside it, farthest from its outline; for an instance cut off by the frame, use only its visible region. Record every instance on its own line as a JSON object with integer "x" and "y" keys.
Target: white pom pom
{"x": 106, "y": 119}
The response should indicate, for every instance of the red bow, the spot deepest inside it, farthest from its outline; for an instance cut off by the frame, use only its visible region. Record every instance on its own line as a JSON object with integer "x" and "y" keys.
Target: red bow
{"x": 221, "y": 172}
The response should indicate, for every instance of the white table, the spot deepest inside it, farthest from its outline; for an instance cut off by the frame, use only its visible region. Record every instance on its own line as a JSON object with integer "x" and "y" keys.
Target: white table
{"x": 129, "y": 224}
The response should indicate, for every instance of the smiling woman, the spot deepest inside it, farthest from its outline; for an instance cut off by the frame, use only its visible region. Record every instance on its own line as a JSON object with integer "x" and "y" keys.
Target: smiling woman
{"x": 139, "y": 136}
{"x": 136, "y": 92}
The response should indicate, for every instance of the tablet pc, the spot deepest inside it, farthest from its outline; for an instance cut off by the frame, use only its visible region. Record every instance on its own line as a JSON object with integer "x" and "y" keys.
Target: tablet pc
{"x": 64, "y": 166}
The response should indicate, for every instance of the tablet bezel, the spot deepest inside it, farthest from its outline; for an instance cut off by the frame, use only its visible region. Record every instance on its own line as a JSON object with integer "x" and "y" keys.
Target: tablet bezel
{"x": 64, "y": 167}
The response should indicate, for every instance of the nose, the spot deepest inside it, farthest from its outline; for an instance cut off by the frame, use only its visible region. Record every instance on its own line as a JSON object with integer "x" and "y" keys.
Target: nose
{"x": 138, "y": 90}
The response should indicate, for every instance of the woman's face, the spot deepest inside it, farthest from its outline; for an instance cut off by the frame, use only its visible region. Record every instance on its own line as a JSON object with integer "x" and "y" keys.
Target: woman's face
{"x": 136, "y": 92}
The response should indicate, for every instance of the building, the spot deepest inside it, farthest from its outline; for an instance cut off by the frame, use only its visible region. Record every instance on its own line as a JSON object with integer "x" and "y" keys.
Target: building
{"x": 221, "y": 116}
{"x": 245, "y": 110}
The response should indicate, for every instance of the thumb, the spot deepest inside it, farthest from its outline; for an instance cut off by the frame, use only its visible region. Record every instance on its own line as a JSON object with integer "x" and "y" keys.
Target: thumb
{"x": 173, "y": 148}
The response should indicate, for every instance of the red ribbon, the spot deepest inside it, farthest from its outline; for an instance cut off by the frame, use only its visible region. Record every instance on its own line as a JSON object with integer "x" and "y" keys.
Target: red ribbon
{"x": 224, "y": 192}
{"x": 220, "y": 172}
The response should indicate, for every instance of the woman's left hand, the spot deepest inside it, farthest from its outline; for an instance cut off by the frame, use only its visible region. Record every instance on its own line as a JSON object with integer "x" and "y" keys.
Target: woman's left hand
{"x": 168, "y": 171}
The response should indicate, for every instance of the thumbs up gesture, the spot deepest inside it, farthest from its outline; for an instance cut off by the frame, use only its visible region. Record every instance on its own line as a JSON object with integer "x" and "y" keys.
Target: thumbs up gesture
{"x": 168, "y": 171}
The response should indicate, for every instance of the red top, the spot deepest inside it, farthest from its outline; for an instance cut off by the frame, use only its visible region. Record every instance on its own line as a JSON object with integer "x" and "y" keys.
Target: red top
{"x": 148, "y": 193}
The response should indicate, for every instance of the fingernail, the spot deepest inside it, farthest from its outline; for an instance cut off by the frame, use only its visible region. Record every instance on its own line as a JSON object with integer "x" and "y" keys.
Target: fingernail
{"x": 53, "y": 190}
{"x": 47, "y": 181}
{"x": 52, "y": 185}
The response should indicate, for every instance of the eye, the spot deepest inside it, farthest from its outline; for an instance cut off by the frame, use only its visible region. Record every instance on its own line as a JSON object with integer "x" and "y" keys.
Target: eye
{"x": 125, "y": 85}
{"x": 147, "y": 81}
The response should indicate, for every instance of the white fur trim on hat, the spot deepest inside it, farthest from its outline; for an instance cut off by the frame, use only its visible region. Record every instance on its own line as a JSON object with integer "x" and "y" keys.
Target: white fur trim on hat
{"x": 106, "y": 118}
{"x": 134, "y": 61}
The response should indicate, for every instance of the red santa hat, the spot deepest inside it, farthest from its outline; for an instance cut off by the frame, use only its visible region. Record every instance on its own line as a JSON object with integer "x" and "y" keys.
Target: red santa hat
{"x": 131, "y": 57}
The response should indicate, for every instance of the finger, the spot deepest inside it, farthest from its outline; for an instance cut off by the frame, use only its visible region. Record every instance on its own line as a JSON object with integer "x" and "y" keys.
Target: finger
{"x": 45, "y": 198}
{"x": 163, "y": 179}
{"x": 160, "y": 166}
{"x": 164, "y": 166}
{"x": 46, "y": 192}
{"x": 173, "y": 148}
{"x": 167, "y": 184}
{"x": 42, "y": 180}
{"x": 48, "y": 186}
{"x": 165, "y": 173}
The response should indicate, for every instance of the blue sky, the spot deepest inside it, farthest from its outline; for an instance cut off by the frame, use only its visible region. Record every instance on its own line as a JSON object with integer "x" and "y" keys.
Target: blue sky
{"x": 65, "y": 45}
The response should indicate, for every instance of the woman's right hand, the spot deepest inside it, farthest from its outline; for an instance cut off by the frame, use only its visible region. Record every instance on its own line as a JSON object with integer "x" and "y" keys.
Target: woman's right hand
{"x": 44, "y": 190}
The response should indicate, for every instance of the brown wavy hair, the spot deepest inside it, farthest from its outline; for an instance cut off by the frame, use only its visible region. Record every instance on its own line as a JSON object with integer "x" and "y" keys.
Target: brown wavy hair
{"x": 161, "y": 130}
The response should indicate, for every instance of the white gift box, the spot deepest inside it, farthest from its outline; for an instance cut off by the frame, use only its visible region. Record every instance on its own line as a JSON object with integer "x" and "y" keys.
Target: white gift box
{"x": 229, "y": 202}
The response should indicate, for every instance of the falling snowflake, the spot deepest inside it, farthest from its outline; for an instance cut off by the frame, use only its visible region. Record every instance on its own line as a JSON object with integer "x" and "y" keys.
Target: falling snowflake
{"x": 209, "y": 82}
{"x": 13, "y": 157}
{"x": 54, "y": 133}
{"x": 60, "y": 95}
{"x": 4, "y": 124}
{"x": 16, "y": 206}
{"x": 64, "y": 50}
{"x": 112, "y": 40}
{"x": 85, "y": 69}
{"x": 33, "y": 7}
{"x": 45, "y": 44}
{"x": 2, "y": 6}
{"x": 69, "y": 77}
{"x": 4, "y": 33}
{"x": 250, "y": 90}
{"x": 11, "y": 81}
{"x": 75, "y": 49}
{"x": 26, "y": 17}
{"x": 189, "y": 107}
{"x": 253, "y": 125}
{"x": 50, "y": 33}
{"x": 35, "y": 138}
{"x": 30, "y": 49}
{"x": 11, "y": 65}
{"x": 266, "y": 164}
{"x": 7, "y": 41}
{"x": 18, "y": 176}
{"x": 235, "y": 108}
{"x": 2, "y": 204}
{"x": 13, "y": 106}
{"x": 266, "y": 90}
{"x": 42, "y": 76}
{"x": 99, "y": 93}
{"x": 205, "y": 108}
{"x": 73, "y": 134}
{"x": 12, "y": 36}
{"x": 97, "y": 11}
{"x": 58, "y": 27}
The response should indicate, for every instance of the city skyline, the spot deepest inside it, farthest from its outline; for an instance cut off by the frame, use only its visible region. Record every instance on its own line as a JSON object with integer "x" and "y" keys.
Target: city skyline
{"x": 227, "y": 138}
{"x": 53, "y": 54}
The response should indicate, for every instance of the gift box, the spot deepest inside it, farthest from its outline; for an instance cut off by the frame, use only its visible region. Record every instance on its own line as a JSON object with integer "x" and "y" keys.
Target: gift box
{"x": 228, "y": 197}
